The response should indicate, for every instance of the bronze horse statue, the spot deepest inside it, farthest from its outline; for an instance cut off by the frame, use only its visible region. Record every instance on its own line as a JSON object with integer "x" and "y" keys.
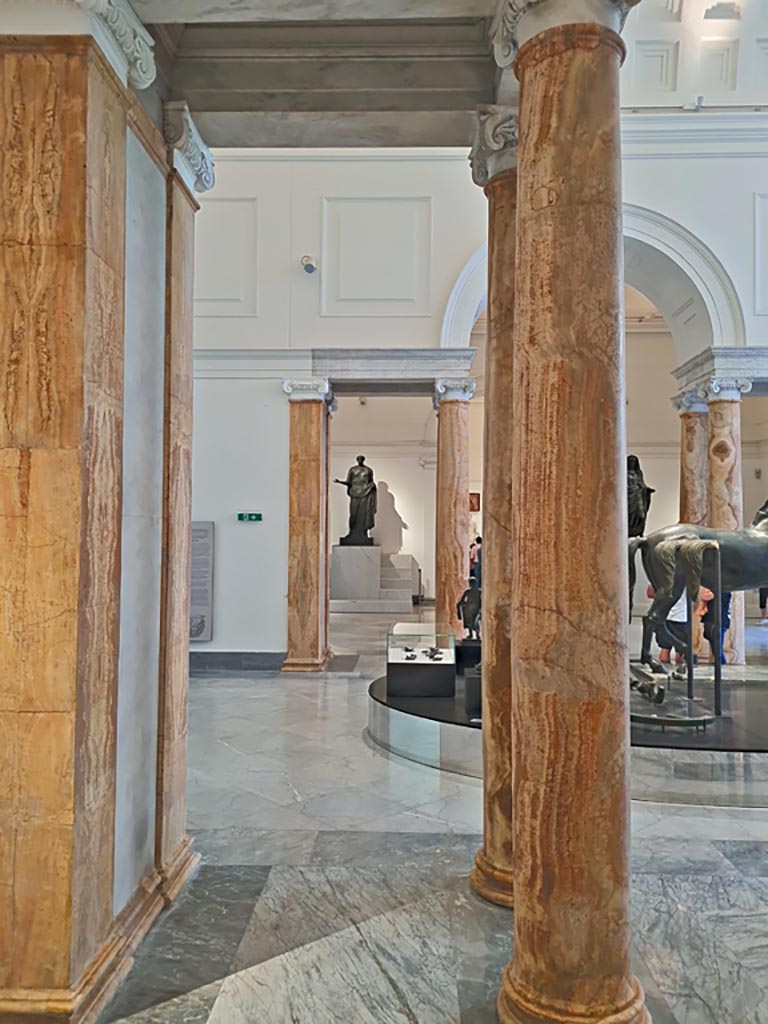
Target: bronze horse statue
{"x": 744, "y": 566}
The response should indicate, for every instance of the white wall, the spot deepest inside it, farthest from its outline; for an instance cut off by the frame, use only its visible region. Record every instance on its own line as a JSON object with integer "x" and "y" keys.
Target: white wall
{"x": 390, "y": 230}
{"x": 240, "y": 463}
{"x": 137, "y": 685}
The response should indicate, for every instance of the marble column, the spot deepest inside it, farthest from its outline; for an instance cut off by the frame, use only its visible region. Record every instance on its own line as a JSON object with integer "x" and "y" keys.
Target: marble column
{"x": 693, "y": 457}
{"x": 569, "y": 602}
{"x": 494, "y": 165}
{"x": 62, "y": 266}
{"x": 307, "y": 649}
{"x": 725, "y": 498}
{"x": 452, "y": 527}
{"x": 191, "y": 170}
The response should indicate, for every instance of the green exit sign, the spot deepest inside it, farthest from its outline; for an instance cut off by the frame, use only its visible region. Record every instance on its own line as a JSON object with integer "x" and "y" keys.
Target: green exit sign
{"x": 249, "y": 517}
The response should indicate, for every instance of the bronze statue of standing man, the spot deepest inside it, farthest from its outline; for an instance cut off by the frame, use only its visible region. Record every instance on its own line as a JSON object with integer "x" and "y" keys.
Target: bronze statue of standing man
{"x": 362, "y": 503}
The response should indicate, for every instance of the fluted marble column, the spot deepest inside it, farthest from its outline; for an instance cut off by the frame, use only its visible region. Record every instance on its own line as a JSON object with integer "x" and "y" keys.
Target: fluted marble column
{"x": 725, "y": 498}
{"x": 494, "y": 165}
{"x": 693, "y": 457}
{"x": 452, "y": 537}
{"x": 570, "y": 764}
{"x": 307, "y": 648}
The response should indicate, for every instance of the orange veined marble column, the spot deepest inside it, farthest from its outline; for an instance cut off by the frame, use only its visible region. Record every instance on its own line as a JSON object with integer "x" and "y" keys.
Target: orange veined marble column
{"x": 307, "y": 647}
{"x": 725, "y": 498}
{"x": 569, "y": 605}
{"x": 193, "y": 171}
{"x": 62, "y": 264}
{"x": 452, "y": 526}
{"x": 494, "y": 158}
{"x": 693, "y": 457}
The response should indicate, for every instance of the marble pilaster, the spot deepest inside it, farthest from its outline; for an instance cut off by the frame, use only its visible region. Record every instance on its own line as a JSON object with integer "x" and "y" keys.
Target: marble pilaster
{"x": 570, "y": 777}
{"x": 308, "y": 527}
{"x": 452, "y": 526}
{"x": 62, "y": 263}
{"x": 494, "y": 165}
{"x": 693, "y": 457}
{"x": 174, "y": 857}
{"x": 725, "y": 498}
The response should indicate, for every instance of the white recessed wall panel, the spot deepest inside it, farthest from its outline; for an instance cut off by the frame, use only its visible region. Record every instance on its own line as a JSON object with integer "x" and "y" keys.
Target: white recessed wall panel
{"x": 719, "y": 65}
{"x": 242, "y": 264}
{"x": 376, "y": 255}
{"x": 655, "y": 66}
{"x": 761, "y": 253}
{"x": 660, "y": 10}
{"x": 227, "y": 265}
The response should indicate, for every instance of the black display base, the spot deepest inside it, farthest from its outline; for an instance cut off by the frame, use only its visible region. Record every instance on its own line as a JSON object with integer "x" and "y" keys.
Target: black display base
{"x": 473, "y": 692}
{"x": 356, "y": 540}
{"x": 675, "y": 713}
{"x": 421, "y": 680}
{"x": 468, "y": 654}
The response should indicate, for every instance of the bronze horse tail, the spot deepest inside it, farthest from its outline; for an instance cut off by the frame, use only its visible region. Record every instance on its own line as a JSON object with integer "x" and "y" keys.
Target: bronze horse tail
{"x": 636, "y": 544}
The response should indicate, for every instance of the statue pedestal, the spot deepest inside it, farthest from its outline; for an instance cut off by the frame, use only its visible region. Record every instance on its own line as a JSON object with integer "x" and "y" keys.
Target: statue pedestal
{"x": 355, "y": 572}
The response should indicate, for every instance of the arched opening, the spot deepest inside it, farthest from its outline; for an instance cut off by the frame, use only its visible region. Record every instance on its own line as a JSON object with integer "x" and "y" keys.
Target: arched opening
{"x": 681, "y": 276}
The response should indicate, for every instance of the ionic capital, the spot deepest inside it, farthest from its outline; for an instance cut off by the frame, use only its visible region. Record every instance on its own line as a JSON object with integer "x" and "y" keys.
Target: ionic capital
{"x": 495, "y": 146}
{"x": 690, "y": 401}
{"x": 449, "y": 389}
{"x": 124, "y": 34}
{"x": 313, "y": 390}
{"x": 725, "y": 389}
{"x": 517, "y": 21}
{"x": 191, "y": 156}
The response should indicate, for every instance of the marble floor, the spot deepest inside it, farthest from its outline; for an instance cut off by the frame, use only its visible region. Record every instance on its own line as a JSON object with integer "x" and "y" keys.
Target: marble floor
{"x": 334, "y": 878}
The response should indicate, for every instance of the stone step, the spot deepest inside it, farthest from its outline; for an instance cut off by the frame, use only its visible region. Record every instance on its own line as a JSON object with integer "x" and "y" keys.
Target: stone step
{"x": 387, "y": 607}
{"x": 395, "y": 584}
{"x": 390, "y": 594}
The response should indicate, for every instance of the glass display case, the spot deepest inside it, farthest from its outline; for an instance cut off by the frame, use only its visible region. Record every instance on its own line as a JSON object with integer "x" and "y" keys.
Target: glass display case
{"x": 421, "y": 663}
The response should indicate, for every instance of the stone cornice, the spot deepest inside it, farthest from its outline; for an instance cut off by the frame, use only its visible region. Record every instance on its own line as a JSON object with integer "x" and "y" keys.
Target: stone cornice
{"x": 192, "y": 158}
{"x": 508, "y": 33}
{"x": 124, "y": 32}
{"x": 448, "y": 389}
{"x": 747, "y": 363}
{"x": 495, "y": 145}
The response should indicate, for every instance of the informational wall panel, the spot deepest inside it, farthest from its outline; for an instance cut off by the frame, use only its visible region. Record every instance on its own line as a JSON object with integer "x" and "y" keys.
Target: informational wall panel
{"x": 201, "y": 603}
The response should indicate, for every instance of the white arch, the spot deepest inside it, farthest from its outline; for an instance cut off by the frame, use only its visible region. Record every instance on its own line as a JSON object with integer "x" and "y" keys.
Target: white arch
{"x": 682, "y": 277}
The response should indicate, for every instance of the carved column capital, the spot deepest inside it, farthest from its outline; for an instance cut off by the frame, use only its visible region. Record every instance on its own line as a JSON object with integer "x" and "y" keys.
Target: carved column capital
{"x": 725, "y": 389}
{"x": 495, "y": 145}
{"x": 449, "y": 389}
{"x": 124, "y": 35}
{"x": 517, "y": 21}
{"x": 191, "y": 156}
{"x": 317, "y": 389}
{"x": 690, "y": 401}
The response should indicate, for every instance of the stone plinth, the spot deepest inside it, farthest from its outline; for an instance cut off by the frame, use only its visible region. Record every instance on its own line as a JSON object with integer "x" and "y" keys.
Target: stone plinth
{"x": 355, "y": 572}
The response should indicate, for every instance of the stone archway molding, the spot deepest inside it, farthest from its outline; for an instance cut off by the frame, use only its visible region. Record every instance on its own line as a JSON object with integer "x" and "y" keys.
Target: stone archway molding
{"x": 707, "y": 280}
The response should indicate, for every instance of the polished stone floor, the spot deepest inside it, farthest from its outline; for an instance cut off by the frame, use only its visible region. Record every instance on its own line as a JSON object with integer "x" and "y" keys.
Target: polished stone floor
{"x": 334, "y": 880}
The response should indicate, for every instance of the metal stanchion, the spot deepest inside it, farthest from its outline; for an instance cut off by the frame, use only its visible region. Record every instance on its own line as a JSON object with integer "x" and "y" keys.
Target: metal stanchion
{"x": 689, "y": 630}
{"x": 718, "y": 635}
